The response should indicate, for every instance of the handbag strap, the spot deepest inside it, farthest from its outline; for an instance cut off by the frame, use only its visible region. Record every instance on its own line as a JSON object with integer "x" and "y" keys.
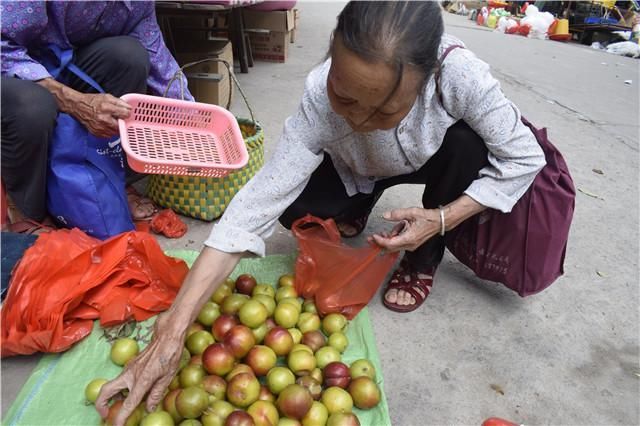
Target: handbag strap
{"x": 439, "y": 69}
{"x": 64, "y": 59}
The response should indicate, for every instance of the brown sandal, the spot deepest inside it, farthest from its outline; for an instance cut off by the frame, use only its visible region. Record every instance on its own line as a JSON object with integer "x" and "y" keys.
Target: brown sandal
{"x": 29, "y": 227}
{"x": 410, "y": 281}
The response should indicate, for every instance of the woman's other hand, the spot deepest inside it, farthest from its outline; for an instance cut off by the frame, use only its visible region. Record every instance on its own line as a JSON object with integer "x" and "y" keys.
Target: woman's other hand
{"x": 416, "y": 226}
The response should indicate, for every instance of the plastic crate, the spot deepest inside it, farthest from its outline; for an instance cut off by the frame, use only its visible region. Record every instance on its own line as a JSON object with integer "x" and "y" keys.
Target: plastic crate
{"x": 169, "y": 136}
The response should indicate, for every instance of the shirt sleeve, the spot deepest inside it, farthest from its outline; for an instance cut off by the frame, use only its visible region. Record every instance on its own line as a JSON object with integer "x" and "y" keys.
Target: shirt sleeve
{"x": 253, "y": 212}
{"x": 163, "y": 65}
{"x": 22, "y": 22}
{"x": 472, "y": 94}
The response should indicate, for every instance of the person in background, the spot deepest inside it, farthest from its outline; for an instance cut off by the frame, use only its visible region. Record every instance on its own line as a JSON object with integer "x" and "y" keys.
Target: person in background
{"x": 397, "y": 101}
{"x": 117, "y": 43}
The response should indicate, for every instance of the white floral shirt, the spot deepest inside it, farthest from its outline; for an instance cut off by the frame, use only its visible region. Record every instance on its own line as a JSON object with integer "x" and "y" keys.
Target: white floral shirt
{"x": 469, "y": 93}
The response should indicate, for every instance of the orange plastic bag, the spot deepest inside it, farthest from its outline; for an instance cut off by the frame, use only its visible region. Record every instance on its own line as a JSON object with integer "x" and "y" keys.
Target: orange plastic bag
{"x": 342, "y": 279}
{"x": 67, "y": 279}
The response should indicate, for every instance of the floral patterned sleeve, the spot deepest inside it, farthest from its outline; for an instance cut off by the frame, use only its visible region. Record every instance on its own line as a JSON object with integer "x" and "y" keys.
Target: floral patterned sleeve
{"x": 163, "y": 64}
{"x": 20, "y": 25}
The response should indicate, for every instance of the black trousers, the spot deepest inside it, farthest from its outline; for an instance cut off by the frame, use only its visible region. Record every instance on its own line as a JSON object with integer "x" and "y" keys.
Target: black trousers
{"x": 446, "y": 175}
{"x": 29, "y": 112}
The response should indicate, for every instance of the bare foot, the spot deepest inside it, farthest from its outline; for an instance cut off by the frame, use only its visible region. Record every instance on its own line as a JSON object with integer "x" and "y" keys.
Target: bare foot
{"x": 141, "y": 208}
{"x": 408, "y": 289}
{"x": 401, "y": 297}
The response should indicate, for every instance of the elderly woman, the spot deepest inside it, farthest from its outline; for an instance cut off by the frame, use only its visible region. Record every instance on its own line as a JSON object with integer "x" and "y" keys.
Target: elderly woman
{"x": 118, "y": 44}
{"x": 380, "y": 111}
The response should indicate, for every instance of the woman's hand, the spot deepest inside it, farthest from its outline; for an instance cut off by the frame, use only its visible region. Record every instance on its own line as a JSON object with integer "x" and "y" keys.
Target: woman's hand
{"x": 150, "y": 372}
{"x": 417, "y": 226}
{"x": 100, "y": 112}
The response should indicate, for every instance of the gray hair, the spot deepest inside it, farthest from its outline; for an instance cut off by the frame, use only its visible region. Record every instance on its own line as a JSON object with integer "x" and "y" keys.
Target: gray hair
{"x": 397, "y": 32}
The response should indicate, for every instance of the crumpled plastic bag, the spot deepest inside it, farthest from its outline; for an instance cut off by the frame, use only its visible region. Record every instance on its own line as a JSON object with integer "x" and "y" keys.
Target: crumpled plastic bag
{"x": 624, "y": 48}
{"x": 67, "y": 279}
{"x": 169, "y": 224}
{"x": 340, "y": 278}
{"x": 538, "y": 21}
{"x": 507, "y": 25}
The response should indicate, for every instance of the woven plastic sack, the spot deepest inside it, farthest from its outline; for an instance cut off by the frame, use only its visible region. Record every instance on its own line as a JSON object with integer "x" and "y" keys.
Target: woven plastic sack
{"x": 67, "y": 279}
{"x": 207, "y": 198}
{"x": 340, "y": 278}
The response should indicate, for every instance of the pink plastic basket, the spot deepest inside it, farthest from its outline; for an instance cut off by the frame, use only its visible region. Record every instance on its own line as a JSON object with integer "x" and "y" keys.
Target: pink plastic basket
{"x": 174, "y": 137}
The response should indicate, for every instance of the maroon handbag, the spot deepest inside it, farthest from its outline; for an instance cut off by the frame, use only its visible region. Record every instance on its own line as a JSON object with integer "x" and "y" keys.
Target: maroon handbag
{"x": 523, "y": 249}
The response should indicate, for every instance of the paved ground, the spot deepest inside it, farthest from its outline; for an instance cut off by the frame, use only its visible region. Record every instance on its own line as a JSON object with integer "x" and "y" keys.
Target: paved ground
{"x": 569, "y": 355}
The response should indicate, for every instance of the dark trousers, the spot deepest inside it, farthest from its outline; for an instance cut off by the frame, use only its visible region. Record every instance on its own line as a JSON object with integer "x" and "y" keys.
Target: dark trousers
{"x": 446, "y": 175}
{"x": 29, "y": 112}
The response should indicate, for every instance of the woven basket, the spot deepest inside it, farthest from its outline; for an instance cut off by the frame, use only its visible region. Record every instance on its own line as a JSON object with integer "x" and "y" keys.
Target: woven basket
{"x": 207, "y": 198}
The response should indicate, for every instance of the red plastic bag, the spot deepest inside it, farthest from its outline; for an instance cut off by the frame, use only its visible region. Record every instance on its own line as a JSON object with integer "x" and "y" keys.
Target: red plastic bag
{"x": 67, "y": 279}
{"x": 523, "y": 249}
{"x": 168, "y": 223}
{"x": 342, "y": 279}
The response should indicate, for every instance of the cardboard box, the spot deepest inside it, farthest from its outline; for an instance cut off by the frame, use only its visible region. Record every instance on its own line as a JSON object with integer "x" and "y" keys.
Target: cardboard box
{"x": 278, "y": 20}
{"x": 270, "y": 46}
{"x": 296, "y": 18}
{"x": 209, "y": 82}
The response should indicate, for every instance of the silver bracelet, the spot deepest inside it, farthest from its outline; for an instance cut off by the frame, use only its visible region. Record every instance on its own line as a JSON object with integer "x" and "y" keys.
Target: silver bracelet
{"x": 441, "y": 221}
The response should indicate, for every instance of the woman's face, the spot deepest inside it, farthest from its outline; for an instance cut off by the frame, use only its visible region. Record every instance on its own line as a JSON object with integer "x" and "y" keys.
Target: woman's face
{"x": 357, "y": 90}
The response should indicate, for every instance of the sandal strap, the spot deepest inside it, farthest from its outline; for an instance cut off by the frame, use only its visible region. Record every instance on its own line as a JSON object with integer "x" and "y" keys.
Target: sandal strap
{"x": 411, "y": 285}
{"x": 28, "y": 227}
{"x": 411, "y": 281}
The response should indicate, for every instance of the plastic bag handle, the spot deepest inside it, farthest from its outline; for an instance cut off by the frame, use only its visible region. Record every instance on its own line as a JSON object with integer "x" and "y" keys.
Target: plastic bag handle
{"x": 179, "y": 74}
{"x": 330, "y": 229}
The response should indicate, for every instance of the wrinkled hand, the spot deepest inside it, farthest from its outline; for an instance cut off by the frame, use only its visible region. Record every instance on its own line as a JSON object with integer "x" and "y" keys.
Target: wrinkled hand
{"x": 149, "y": 373}
{"x": 100, "y": 112}
{"x": 417, "y": 226}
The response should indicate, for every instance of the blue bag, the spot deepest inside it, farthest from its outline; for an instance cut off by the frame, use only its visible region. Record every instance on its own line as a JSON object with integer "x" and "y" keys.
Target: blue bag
{"x": 86, "y": 175}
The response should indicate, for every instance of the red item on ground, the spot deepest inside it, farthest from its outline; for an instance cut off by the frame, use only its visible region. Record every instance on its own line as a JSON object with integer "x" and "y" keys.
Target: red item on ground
{"x": 143, "y": 226}
{"x": 67, "y": 279}
{"x": 496, "y": 421}
{"x": 340, "y": 278}
{"x": 168, "y": 223}
{"x": 524, "y": 29}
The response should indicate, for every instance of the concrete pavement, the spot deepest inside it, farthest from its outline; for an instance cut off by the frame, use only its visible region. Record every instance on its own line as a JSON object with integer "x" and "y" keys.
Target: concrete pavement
{"x": 568, "y": 356}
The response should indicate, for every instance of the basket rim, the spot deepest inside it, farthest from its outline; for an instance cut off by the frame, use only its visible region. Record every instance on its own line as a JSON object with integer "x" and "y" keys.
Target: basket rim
{"x": 137, "y": 160}
{"x": 255, "y": 138}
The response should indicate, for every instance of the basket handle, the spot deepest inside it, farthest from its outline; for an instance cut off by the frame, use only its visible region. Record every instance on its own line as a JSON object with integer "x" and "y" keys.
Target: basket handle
{"x": 179, "y": 74}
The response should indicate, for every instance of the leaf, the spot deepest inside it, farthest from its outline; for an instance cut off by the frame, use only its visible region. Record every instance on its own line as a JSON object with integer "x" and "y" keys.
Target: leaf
{"x": 590, "y": 194}
{"x": 597, "y": 171}
{"x": 602, "y": 274}
{"x": 497, "y": 388}
{"x": 117, "y": 331}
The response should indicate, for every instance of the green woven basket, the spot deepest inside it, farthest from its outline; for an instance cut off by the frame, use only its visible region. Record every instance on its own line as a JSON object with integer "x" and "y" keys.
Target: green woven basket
{"x": 207, "y": 198}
